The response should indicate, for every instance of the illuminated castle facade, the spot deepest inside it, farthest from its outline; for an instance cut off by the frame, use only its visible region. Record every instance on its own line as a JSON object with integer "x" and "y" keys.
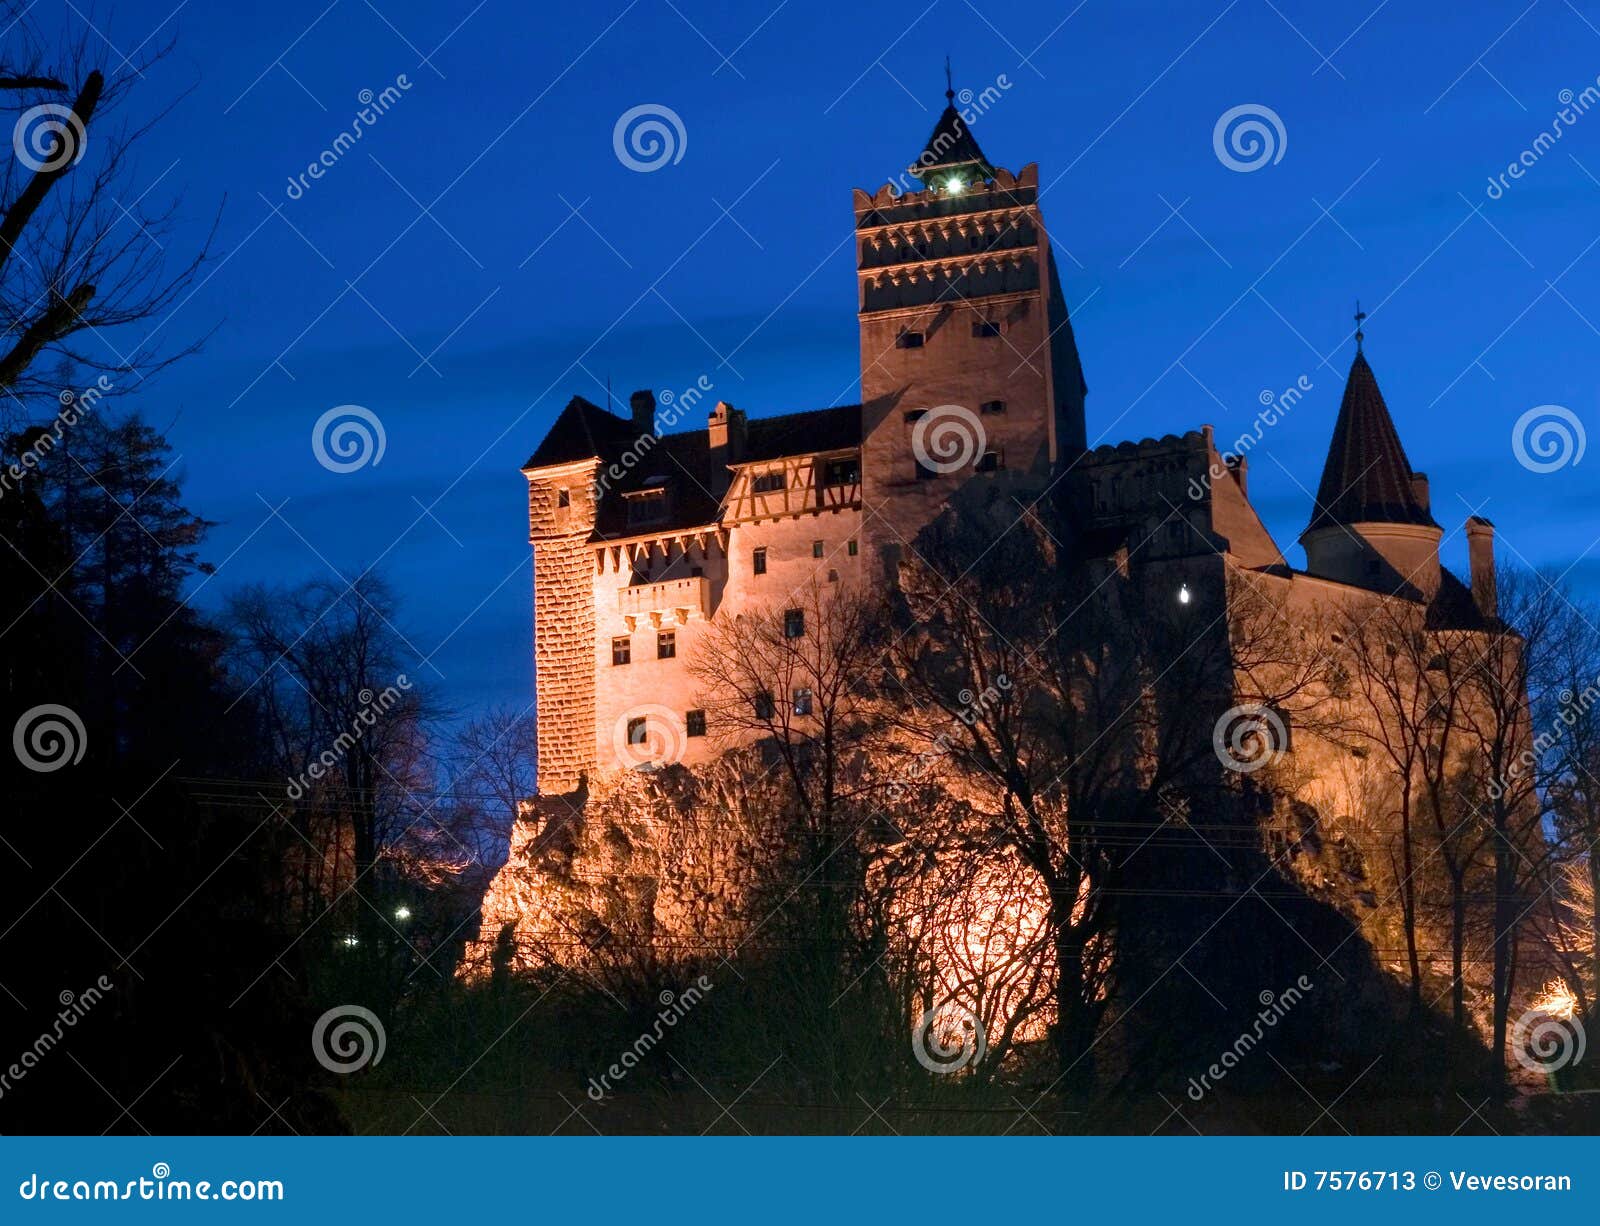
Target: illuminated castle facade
{"x": 644, "y": 536}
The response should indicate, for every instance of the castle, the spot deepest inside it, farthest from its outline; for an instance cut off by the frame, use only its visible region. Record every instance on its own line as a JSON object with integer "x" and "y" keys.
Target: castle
{"x": 644, "y": 538}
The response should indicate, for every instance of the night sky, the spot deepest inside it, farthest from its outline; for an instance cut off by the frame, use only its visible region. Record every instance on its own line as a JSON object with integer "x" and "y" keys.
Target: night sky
{"x": 482, "y": 253}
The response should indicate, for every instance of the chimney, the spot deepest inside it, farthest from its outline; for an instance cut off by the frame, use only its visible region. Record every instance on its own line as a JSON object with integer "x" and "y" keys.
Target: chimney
{"x": 1480, "y": 550}
{"x": 725, "y": 438}
{"x": 1419, "y": 490}
{"x": 1239, "y": 466}
{"x": 643, "y": 404}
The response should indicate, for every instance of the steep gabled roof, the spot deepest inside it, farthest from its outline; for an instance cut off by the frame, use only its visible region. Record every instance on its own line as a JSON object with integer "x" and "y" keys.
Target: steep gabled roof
{"x": 950, "y": 145}
{"x": 1367, "y": 478}
{"x": 582, "y": 430}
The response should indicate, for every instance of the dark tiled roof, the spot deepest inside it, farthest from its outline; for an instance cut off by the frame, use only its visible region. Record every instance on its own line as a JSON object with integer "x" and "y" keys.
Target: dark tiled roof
{"x": 800, "y": 433}
{"x": 950, "y": 144}
{"x": 584, "y": 430}
{"x": 1367, "y": 478}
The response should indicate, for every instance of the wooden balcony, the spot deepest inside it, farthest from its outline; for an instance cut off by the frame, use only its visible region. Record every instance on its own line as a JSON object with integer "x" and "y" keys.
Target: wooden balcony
{"x": 671, "y": 602}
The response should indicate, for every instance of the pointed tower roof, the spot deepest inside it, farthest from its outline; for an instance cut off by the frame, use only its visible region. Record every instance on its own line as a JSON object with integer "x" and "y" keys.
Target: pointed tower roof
{"x": 951, "y": 147}
{"x": 1367, "y": 478}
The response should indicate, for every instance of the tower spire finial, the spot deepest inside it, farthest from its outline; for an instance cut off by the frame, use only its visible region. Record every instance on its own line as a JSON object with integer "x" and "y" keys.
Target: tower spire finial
{"x": 949, "y": 87}
{"x": 1360, "y": 316}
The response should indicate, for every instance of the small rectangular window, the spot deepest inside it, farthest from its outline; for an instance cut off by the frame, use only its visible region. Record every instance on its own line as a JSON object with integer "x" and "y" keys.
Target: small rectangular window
{"x": 802, "y": 702}
{"x": 908, "y": 340}
{"x": 833, "y": 576}
{"x": 853, "y": 548}
{"x": 758, "y": 561}
{"x": 694, "y": 723}
{"x": 985, "y": 328}
{"x": 622, "y": 650}
{"x": 989, "y": 462}
{"x": 992, "y": 406}
{"x": 563, "y": 498}
{"x": 841, "y": 472}
{"x": 769, "y": 483}
{"x": 666, "y": 644}
{"x": 816, "y": 549}
{"x": 914, "y": 415}
{"x": 765, "y": 709}
{"x": 638, "y": 734}
{"x": 794, "y": 623}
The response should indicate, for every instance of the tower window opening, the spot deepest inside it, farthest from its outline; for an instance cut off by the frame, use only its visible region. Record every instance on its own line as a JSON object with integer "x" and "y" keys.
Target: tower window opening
{"x": 758, "y": 561}
{"x": 908, "y": 340}
{"x": 563, "y": 497}
{"x": 622, "y": 650}
{"x": 992, "y": 406}
{"x": 769, "y": 483}
{"x": 666, "y": 644}
{"x": 985, "y": 328}
{"x": 695, "y": 723}
{"x": 794, "y": 623}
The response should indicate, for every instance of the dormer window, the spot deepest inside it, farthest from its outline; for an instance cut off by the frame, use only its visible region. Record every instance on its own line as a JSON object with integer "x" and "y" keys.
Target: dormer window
{"x": 908, "y": 340}
{"x": 649, "y": 505}
{"x": 769, "y": 483}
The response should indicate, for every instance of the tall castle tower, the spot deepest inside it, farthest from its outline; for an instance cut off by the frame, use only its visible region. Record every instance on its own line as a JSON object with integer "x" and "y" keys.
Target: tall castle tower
{"x": 964, "y": 331}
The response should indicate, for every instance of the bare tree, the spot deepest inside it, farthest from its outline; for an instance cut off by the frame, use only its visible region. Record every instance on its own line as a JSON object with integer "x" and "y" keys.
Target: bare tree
{"x": 1082, "y": 695}
{"x": 86, "y": 245}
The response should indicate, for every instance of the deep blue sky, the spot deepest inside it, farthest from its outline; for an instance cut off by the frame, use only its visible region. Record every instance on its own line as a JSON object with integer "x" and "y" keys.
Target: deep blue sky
{"x": 1475, "y": 317}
